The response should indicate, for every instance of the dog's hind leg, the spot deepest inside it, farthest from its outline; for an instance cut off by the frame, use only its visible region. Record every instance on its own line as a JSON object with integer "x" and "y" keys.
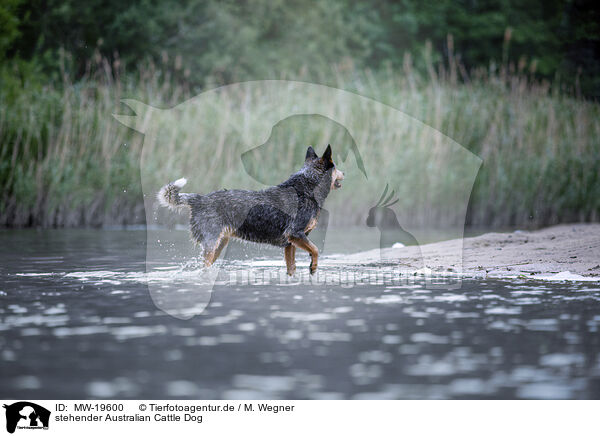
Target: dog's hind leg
{"x": 222, "y": 244}
{"x": 290, "y": 259}
{"x": 213, "y": 251}
{"x": 304, "y": 243}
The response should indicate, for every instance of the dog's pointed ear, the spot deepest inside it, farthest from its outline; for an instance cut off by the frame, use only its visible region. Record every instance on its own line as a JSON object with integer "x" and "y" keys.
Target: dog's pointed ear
{"x": 327, "y": 154}
{"x": 310, "y": 154}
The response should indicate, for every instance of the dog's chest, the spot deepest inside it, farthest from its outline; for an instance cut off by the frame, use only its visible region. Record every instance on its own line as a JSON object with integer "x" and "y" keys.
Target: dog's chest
{"x": 312, "y": 223}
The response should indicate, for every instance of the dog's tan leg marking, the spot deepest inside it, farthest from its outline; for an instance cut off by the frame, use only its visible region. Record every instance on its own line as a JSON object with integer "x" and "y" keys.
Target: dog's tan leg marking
{"x": 290, "y": 259}
{"x": 209, "y": 258}
{"x": 222, "y": 244}
{"x": 212, "y": 255}
{"x": 311, "y": 225}
{"x": 312, "y": 249}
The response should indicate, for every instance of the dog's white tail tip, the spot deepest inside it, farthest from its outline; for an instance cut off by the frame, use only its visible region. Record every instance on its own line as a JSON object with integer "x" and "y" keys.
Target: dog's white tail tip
{"x": 180, "y": 183}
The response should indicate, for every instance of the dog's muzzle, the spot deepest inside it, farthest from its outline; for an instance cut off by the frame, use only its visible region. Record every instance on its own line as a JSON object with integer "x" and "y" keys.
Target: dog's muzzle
{"x": 338, "y": 176}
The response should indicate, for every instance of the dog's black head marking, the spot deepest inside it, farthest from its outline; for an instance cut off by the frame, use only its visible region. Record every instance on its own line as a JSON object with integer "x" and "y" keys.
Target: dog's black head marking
{"x": 327, "y": 155}
{"x": 310, "y": 154}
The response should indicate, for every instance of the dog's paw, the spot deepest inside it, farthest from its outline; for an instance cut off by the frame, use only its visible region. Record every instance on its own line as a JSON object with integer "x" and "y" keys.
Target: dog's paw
{"x": 313, "y": 268}
{"x": 290, "y": 272}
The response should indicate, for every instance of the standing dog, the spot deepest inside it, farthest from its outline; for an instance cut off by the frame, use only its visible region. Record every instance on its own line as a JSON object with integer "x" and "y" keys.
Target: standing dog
{"x": 281, "y": 215}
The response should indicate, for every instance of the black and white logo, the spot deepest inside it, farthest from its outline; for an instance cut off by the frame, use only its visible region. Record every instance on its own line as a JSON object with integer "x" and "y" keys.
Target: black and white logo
{"x": 26, "y": 415}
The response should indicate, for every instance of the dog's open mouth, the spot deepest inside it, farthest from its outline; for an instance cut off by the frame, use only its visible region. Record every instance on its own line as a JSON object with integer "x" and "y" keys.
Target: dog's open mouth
{"x": 337, "y": 184}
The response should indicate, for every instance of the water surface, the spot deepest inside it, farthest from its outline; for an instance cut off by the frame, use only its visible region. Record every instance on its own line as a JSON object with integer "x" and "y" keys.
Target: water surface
{"x": 77, "y": 321}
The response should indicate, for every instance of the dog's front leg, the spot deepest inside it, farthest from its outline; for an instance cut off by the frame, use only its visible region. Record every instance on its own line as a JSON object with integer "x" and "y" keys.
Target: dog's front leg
{"x": 305, "y": 244}
{"x": 290, "y": 259}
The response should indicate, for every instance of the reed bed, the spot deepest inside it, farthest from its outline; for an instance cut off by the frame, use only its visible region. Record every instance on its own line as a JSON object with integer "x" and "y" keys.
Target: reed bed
{"x": 65, "y": 161}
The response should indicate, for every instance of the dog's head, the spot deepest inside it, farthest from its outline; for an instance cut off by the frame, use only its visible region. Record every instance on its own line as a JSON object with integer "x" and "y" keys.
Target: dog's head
{"x": 323, "y": 167}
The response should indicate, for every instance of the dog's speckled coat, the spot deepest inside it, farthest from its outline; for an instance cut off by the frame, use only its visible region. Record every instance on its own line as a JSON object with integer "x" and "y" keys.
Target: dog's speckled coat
{"x": 281, "y": 215}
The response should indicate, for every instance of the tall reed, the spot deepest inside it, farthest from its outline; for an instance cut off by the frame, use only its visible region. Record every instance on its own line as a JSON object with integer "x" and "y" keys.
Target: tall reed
{"x": 64, "y": 161}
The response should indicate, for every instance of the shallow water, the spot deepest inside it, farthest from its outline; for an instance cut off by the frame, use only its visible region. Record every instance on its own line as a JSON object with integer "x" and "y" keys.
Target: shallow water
{"x": 77, "y": 321}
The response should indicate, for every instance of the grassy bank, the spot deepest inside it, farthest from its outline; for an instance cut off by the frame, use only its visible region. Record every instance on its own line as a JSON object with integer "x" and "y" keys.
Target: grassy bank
{"x": 65, "y": 161}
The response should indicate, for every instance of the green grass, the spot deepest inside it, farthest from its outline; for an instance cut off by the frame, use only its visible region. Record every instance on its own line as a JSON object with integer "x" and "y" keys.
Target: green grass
{"x": 65, "y": 161}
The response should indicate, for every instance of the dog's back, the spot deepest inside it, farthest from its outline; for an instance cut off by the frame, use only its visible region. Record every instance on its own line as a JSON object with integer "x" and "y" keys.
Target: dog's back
{"x": 256, "y": 216}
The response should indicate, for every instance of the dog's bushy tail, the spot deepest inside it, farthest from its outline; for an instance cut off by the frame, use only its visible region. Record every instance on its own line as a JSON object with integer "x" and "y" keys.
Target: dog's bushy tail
{"x": 169, "y": 195}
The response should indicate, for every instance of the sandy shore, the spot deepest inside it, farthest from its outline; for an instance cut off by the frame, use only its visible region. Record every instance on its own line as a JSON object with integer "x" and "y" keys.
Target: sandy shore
{"x": 538, "y": 254}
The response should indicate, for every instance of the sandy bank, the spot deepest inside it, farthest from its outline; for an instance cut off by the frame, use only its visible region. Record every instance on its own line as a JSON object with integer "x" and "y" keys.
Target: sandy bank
{"x": 539, "y": 254}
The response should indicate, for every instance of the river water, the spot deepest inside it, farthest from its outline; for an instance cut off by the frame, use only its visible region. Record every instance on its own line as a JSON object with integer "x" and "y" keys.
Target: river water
{"x": 77, "y": 321}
